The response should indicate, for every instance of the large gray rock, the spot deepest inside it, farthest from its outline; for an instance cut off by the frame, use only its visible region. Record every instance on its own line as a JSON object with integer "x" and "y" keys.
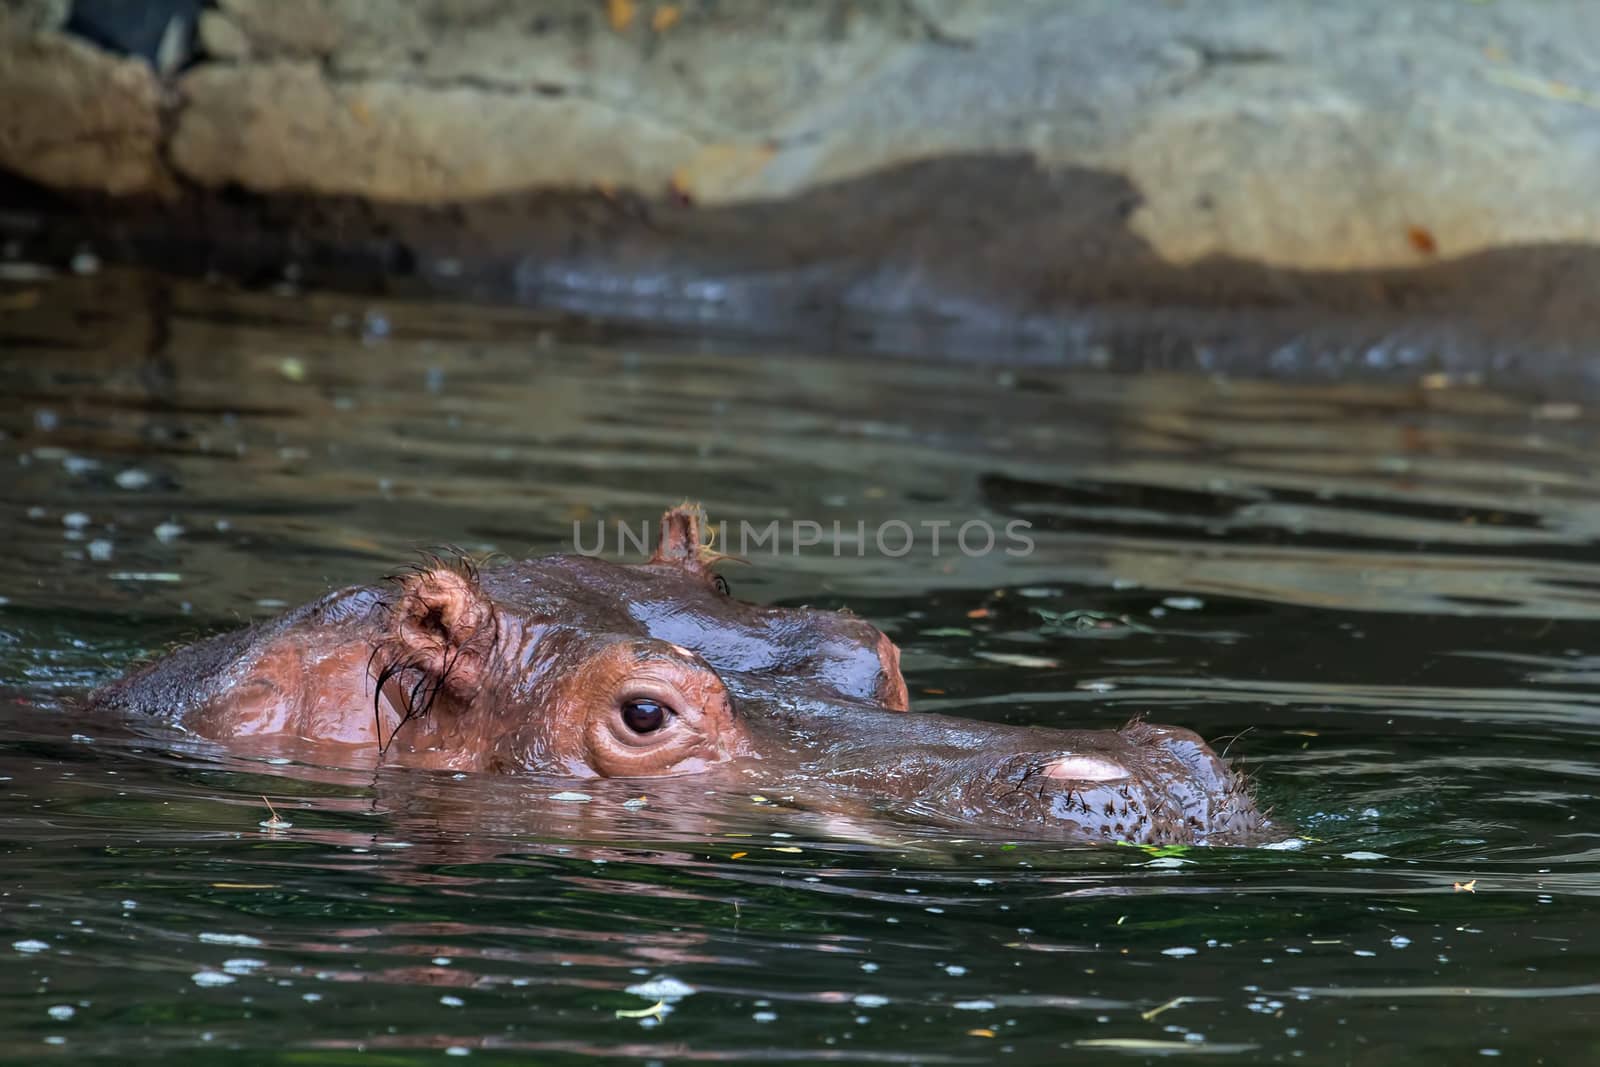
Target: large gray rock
{"x": 1307, "y": 134}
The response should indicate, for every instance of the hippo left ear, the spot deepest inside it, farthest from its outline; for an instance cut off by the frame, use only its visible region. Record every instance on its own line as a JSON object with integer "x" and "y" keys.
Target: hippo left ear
{"x": 445, "y": 626}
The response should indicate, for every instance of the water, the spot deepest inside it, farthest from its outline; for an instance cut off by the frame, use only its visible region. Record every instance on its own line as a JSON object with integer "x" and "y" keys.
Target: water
{"x": 1382, "y": 597}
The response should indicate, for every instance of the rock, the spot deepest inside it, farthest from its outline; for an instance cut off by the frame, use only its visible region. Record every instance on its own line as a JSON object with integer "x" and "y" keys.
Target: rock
{"x": 32, "y": 16}
{"x": 79, "y": 118}
{"x": 1309, "y": 135}
{"x": 983, "y": 162}
{"x": 283, "y": 126}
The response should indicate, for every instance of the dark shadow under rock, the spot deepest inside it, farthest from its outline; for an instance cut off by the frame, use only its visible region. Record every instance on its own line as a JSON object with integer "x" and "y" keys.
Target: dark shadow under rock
{"x": 970, "y": 257}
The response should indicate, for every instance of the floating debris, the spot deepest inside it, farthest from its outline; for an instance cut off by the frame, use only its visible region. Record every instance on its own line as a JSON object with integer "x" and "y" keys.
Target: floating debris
{"x": 1175, "y": 1002}
{"x": 1018, "y": 659}
{"x": 133, "y": 478}
{"x": 654, "y": 1011}
{"x": 569, "y": 797}
{"x": 237, "y": 940}
{"x": 274, "y": 821}
{"x": 662, "y": 987}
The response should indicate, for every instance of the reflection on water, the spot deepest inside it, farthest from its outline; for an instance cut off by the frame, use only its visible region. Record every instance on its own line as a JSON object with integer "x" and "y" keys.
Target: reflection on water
{"x": 1381, "y": 597}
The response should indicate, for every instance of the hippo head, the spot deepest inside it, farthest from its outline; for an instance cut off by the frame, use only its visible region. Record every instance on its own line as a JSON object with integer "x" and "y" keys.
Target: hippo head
{"x": 587, "y": 667}
{"x": 584, "y": 667}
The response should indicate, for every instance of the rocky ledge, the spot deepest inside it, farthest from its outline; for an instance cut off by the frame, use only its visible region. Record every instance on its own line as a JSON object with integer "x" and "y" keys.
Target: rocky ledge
{"x": 1030, "y": 174}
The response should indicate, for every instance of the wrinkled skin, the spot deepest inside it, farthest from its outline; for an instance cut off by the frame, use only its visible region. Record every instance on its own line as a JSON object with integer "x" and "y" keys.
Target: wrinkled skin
{"x": 583, "y": 667}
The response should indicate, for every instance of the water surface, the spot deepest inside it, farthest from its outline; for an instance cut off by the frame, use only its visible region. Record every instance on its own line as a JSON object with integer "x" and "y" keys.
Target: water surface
{"x": 1382, "y": 597}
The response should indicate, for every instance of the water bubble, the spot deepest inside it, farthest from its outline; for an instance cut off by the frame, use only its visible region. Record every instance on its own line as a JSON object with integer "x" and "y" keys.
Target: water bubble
{"x": 450, "y": 1001}
{"x": 211, "y": 978}
{"x": 869, "y": 1000}
{"x": 133, "y": 478}
{"x": 1181, "y": 950}
{"x": 62, "y": 1011}
{"x": 31, "y": 945}
{"x": 168, "y": 532}
{"x": 99, "y": 550}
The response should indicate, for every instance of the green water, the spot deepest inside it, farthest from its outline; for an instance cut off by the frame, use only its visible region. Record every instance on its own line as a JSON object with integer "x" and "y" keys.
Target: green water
{"x": 1383, "y": 598}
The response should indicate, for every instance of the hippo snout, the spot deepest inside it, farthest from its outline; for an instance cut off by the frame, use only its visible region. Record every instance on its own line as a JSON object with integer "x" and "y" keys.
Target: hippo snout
{"x": 1143, "y": 784}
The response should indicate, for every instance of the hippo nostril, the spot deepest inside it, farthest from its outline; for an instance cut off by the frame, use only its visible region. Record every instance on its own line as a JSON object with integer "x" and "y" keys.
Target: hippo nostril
{"x": 1085, "y": 769}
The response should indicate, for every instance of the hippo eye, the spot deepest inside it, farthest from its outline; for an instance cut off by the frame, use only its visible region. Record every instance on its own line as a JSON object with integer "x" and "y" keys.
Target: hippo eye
{"x": 721, "y": 583}
{"x": 644, "y": 716}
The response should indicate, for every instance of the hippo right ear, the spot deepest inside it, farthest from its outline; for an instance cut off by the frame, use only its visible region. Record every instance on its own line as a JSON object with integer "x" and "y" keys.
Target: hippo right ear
{"x": 681, "y": 540}
{"x": 445, "y": 626}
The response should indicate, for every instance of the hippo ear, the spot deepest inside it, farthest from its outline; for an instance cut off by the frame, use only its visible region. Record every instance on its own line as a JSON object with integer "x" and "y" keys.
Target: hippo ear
{"x": 681, "y": 538}
{"x": 445, "y": 626}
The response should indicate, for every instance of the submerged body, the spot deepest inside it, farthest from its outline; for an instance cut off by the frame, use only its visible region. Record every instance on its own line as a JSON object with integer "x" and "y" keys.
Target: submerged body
{"x": 589, "y": 668}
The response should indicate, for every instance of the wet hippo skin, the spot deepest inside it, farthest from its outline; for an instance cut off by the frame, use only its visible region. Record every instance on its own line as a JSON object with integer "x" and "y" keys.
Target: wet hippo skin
{"x": 583, "y": 667}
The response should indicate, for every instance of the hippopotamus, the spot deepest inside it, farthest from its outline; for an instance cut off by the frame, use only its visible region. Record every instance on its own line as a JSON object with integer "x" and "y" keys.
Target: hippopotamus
{"x": 583, "y": 667}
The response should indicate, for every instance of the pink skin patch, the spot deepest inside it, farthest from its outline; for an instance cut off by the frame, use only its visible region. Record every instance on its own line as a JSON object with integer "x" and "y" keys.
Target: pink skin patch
{"x": 1085, "y": 769}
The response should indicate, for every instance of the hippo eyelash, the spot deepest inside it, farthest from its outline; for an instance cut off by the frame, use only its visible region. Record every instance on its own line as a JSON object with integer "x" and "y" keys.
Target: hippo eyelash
{"x": 418, "y": 700}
